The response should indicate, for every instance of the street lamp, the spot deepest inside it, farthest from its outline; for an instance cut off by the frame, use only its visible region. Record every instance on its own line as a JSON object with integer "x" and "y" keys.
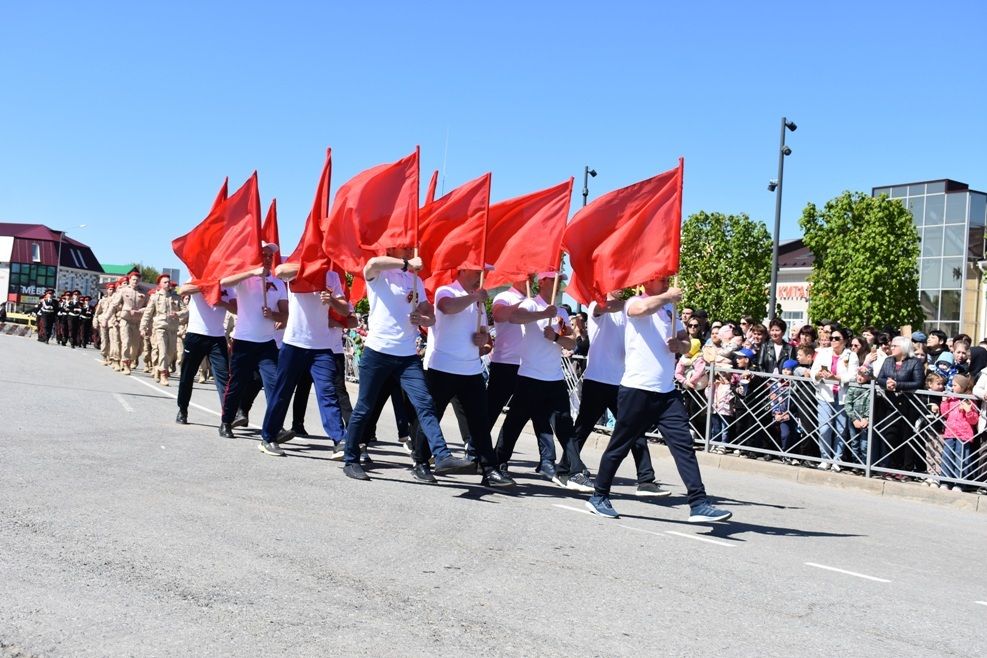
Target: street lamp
{"x": 775, "y": 186}
{"x": 589, "y": 172}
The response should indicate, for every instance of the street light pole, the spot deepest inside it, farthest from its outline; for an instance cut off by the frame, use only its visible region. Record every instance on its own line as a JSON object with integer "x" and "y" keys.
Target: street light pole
{"x": 586, "y": 174}
{"x": 776, "y": 187}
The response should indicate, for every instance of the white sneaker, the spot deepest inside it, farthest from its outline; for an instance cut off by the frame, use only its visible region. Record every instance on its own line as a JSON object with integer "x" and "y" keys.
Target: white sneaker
{"x": 944, "y": 486}
{"x": 823, "y": 466}
{"x": 955, "y": 488}
{"x": 929, "y": 482}
{"x": 404, "y": 439}
{"x": 836, "y": 468}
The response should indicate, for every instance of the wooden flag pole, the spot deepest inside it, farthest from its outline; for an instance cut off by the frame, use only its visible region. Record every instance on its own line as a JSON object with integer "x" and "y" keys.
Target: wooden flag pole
{"x": 555, "y": 285}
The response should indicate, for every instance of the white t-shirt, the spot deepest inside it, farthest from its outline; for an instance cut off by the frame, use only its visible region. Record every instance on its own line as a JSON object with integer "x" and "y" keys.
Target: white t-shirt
{"x": 648, "y": 365}
{"x": 389, "y": 329}
{"x": 541, "y": 358}
{"x": 507, "y": 347}
{"x": 605, "y": 362}
{"x": 204, "y": 319}
{"x": 308, "y": 317}
{"x": 450, "y": 341}
{"x": 251, "y": 325}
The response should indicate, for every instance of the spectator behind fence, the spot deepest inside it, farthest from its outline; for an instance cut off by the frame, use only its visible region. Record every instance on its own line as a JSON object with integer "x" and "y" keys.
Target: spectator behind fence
{"x": 781, "y": 416}
{"x": 833, "y": 369}
{"x": 858, "y": 412}
{"x": 961, "y": 416}
{"x": 861, "y": 348}
{"x": 900, "y": 375}
{"x": 723, "y": 405}
{"x": 879, "y": 351}
{"x": 775, "y": 351}
{"x": 945, "y": 367}
{"x": 931, "y": 426}
{"x": 935, "y": 344}
{"x": 807, "y": 336}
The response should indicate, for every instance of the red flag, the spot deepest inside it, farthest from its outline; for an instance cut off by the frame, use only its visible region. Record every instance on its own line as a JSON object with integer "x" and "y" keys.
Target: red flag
{"x": 238, "y": 249}
{"x": 194, "y": 247}
{"x": 374, "y": 210}
{"x": 430, "y": 194}
{"x": 452, "y": 232}
{"x": 524, "y": 234}
{"x": 626, "y": 237}
{"x": 313, "y": 263}
{"x": 269, "y": 231}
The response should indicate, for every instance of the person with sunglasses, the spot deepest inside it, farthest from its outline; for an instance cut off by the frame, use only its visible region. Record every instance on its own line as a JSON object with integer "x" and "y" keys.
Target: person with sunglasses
{"x": 833, "y": 369}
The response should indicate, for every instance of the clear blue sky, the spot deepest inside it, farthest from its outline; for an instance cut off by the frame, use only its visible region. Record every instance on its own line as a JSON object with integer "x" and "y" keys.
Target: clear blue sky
{"x": 127, "y": 116}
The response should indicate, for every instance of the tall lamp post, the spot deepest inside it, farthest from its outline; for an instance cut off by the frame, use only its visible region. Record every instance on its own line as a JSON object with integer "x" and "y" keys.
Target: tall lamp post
{"x": 775, "y": 186}
{"x": 586, "y": 174}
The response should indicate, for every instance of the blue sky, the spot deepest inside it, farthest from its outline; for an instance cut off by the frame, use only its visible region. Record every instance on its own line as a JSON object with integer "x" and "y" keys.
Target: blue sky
{"x": 126, "y": 117}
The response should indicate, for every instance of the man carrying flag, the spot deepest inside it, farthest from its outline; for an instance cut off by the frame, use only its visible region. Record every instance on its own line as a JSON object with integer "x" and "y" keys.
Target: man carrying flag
{"x": 205, "y": 337}
{"x": 506, "y": 355}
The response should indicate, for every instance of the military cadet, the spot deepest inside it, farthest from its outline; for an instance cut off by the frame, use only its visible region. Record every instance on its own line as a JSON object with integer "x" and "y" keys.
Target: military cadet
{"x": 102, "y": 323}
{"x": 74, "y": 315}
{"x": 47, "y": 312}
{"x": 86, "y": 322}
{"x": 128, "y": 306}
{"x": 160, "y": 319}
{"x": 62, "y": 320}
{"x": 176, "y": 362}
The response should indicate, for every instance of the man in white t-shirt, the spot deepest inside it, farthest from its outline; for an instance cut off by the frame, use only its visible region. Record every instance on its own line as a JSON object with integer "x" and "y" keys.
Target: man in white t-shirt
{"x": 601, "y": 380}
{"x": 506, "y": 356}
{"x": 307, "y": 347}
{"x": 648, "y": 397}
{"x": 259, "y": 300}
{"x": 205, "y": 336}
{"x": 540, "y": 394}
{"x": 453, "y": 370}
{"x": 398, "y": 306}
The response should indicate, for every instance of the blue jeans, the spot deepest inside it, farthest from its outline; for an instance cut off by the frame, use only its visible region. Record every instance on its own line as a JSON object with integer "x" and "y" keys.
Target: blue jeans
{"x": 955, "y": 458}
{"x": 245, "y": 358}
{"x": 375, "y": 371}
{"x": 832, "y": 428}
{"x": 292, "y": 362}
{"x": 718, "y": 430}
{"x": 858, "y": 443}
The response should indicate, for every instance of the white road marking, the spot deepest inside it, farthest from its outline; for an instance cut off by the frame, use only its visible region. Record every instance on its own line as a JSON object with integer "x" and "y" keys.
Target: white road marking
{"x": 849, "y": 573}
{"x": 573, "y": 509}
{"x": 175, "y": 397}
{"x": 123, "y": 403}
{"x": 698, "y": 538}
{"x": 981, "y": 602}
{"x": 648, "y": 532}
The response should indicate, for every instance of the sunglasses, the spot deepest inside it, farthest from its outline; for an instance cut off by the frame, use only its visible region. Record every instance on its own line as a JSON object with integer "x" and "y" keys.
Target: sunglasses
{"x": 836, "y": 337}
{"x": 693, "y": 326}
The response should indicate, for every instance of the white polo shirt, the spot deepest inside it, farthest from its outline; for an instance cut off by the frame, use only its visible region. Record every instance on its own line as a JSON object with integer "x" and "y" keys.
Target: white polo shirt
{"x": 204, "y": 319}
{"x": 308, "y": 317}
{"x": 450, "y": 340}
{"x": 648, "y": 364}
{"x": 541, "y": 358}
{"x": 389, "y": 329}
{"x": 251, "y": 325}
{"x": 507, "y": 347}
{"x": 605, "y": 361}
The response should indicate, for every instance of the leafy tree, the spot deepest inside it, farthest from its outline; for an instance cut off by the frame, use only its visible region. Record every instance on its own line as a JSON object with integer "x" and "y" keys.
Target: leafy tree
{"x": 726, "y": 265}
{"x": 148, "y": 273}
{"x": 866, "y": 261}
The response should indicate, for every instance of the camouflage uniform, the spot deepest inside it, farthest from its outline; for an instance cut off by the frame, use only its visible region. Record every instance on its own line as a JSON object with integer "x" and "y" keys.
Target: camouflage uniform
{"x": 127, "y": 305}
{"x": 162, "y": 313}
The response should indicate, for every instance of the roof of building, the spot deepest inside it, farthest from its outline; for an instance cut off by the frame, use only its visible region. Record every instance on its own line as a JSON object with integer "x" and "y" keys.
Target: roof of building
{"x": 794, "y": 253}
{"x": 110, "y": 268}
{"x": 74, "y": 254}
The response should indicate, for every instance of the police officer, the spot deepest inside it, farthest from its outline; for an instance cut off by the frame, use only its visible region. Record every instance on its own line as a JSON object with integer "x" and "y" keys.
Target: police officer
{"x": 128, "y": 306}
{"x": 160, "y": 320}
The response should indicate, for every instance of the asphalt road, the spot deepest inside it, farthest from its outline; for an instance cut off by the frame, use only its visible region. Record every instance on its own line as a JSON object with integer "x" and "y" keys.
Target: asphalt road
{"x": 122, "y": 533}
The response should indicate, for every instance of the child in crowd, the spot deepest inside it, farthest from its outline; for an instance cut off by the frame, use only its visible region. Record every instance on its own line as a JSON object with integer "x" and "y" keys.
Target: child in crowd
{"x": 930, "y": 426}
{"x": 960, "y": 416}
{"x": 857, "y": 406}
{"x": 743, "y": 407}
{"x": 722, "y": 418}
{"x": 780, "y": 396}
{"x": 944, "y": 366}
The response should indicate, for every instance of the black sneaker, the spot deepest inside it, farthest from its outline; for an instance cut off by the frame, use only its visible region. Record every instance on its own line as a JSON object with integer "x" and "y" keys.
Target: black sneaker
{"x": 284, "y": 436}
{"x": 299, "y": 430}
{"x": 451, "y": 464}
{"x": 547, "y": 470}
{"x": 271, "y": 448}
{"x": 580, "y": 483}
{"x": 365, "y": 459}
{"x": 182, "y": 417}
{"x": 240, "y": 420}
{"x": 651, "y": 490}
{"x": 226, "y": 431}
{"x": 423, "y": 473}
{"x": 355, "y": 471}
{"x": 494, "y": 478}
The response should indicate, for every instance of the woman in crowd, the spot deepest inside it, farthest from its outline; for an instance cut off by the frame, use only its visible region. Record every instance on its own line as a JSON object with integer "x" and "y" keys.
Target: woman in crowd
{"x": 900, "y": 374}
{"x": 833, "y": 369}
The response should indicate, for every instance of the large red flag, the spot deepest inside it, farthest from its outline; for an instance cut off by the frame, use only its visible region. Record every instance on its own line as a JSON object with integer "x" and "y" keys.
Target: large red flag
{"x": 269, "y": 231}
{"x": 309, "y": 255}
{"x": 430, "y": 194}
{"x": 452, "y": 232}
{"x": 238, "y": 249}
{"x": 372, "y": 211}
{"x": 194, "y": 247}
{"x": 626, "y": 237}
{"x": 524, "y": 234}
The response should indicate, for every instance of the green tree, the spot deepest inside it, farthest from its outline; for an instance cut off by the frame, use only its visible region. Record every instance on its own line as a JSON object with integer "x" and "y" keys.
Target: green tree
{"x": 866, "y": 261}
{"x": 726, "y": 265}
{"x": 148, "y": 273}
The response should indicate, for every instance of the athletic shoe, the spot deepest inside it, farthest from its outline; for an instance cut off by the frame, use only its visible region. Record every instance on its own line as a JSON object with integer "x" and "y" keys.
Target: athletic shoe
{"x": 365, "y": 459}
{"x": 822, "y": 466}
{"x": 404, "y": 439}
{"x": 494, "y": 478}
{"x": 705, "y": 513}
{"x": 182, "y": 417}
{"x": 299, "y": 430}
{"x": 451, "y": 464}
{"x": 226, "y": 431}
{"x": 651, "y": 490}
{"x": 284, "y": 436}
{"x": 423, "y": 473}
{"x": 580, "y": 483}
{"x": 270, "y": 448}
{"x": 407, "y": 447}
{"x": 957, "y": 488}
{"x": 355, "y": 471}
{"x": 240, "y": 420}
{"x": 944, "y": 486}
{"x": 836, "y": 467}
{"x": 547, "y": 470}
{"x": 600, "y": 505}
{"x": 561, "y": 479}
{"x": 338, "y": 451}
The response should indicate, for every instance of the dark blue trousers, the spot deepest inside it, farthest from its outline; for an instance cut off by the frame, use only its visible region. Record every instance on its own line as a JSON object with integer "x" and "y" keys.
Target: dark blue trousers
{"x": 639, "y": 410}
{"x": 198, "y": 347}
{"x": 292, "y": 362}
{"x": 376, "y": 369}
{"x": 245, "y": 358}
